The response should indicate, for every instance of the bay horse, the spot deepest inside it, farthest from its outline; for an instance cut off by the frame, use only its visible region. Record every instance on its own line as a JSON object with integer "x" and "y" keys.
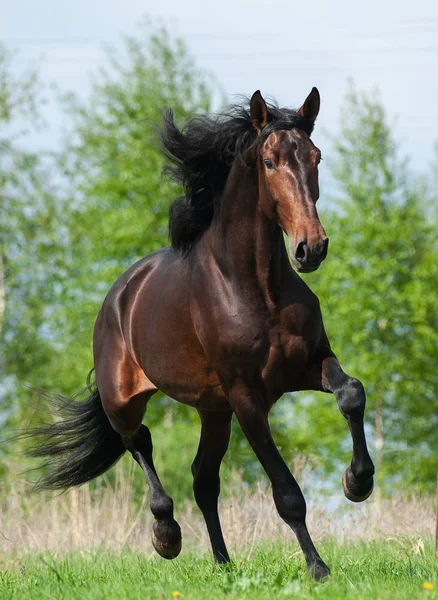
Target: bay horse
{"x": 219, "y": 321}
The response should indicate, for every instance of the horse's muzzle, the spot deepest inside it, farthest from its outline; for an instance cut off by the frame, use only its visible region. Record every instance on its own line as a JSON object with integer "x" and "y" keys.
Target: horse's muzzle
{"x": 307, "y": 258}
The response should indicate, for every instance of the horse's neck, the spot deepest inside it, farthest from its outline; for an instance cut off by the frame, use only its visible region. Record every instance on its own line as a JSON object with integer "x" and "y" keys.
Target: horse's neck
{"x": 250, "y": 246}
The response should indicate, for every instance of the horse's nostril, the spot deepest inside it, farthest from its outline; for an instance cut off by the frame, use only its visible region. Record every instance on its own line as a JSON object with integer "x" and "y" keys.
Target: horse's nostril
{"x": 322, "y": 250}
{"x": 301, "y": 252}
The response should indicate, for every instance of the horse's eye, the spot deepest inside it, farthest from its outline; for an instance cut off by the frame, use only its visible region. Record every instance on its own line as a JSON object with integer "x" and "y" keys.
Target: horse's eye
{"x": 268, "y": 163}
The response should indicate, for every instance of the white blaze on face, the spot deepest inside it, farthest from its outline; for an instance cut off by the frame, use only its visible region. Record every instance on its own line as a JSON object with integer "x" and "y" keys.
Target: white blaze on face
{"x": 290, "y": 171}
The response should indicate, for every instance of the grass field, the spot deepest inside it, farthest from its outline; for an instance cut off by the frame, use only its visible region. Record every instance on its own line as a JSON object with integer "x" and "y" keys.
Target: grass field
{"x": 95, "y": 544}
{"x": 384, "y": 569}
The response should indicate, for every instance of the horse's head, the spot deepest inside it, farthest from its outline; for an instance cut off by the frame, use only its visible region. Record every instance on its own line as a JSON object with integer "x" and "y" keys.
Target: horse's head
{"x": 288, "y": 178}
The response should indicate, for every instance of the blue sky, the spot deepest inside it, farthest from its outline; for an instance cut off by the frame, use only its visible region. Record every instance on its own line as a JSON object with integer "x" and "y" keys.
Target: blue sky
{"x": 282, "y": 47}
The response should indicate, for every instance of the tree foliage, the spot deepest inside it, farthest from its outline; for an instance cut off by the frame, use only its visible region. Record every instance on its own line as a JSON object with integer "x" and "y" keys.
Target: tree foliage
{"x": 31, "y": 236}
{"x": 65, "y": 245}
{"x": 119, "y": 199}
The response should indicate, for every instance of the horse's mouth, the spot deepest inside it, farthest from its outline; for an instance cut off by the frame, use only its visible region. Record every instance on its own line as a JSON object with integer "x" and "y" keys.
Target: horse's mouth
{"x": 306, "y": 268}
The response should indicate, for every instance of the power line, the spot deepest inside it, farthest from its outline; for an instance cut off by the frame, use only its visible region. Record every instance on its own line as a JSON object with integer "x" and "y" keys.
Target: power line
{"x": 250, "y": 56}
{"x": 98, "y": 39}
{"x": 382, "y": 34}
{"x": 312, "y": 52}
{"x": 94, "y": 61}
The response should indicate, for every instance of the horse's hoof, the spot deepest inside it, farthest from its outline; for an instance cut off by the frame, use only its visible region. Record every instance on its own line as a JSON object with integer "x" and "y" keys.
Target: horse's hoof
{"x": 166, "y": 538}
{"x": 319, "y": 570}
{"x": 355, "y": 490}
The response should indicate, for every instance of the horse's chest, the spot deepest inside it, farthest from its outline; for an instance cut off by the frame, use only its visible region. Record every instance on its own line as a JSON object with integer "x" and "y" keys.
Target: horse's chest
{"x": 293, "y": 340}
{"x": 287, "y": 360}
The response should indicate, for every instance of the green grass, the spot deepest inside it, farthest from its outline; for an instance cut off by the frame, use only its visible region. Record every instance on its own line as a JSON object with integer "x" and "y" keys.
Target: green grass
{"x": 392, "y": 569}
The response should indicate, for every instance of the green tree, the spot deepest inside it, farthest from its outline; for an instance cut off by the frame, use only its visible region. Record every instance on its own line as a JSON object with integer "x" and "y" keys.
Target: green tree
{"x": 31, "y": 240}
{"x": 16, "y": 100}
{"x": 120, "y": 203}
{"x": 118, "y": 198}
{"x": 378, "y": 290}
{"x": 109, "y": 209}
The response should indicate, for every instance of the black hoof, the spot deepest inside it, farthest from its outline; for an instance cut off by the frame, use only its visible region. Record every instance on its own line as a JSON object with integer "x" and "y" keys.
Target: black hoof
{"x": 355, "y": 490}
{"x": 166, "y": 538}
{"x": 319, "y": 570}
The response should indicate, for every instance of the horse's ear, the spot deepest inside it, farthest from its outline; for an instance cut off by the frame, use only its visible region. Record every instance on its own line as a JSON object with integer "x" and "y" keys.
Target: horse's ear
{"x": 310, "y": 108}
{"x": 258, "y": 111}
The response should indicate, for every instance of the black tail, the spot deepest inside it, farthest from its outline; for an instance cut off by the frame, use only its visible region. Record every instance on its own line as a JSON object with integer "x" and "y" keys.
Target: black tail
{"x": 78, "y": 447}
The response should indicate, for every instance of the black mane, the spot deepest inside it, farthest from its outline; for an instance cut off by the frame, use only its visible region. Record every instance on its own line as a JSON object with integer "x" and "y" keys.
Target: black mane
{"x": 201, "y": 155}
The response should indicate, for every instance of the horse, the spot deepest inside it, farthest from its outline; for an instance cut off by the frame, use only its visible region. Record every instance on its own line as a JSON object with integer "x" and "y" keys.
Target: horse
{"x": 220, "y": 320}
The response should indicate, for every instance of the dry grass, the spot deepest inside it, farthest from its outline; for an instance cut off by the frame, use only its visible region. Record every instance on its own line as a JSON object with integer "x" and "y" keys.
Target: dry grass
{"x": 110, "y": 518}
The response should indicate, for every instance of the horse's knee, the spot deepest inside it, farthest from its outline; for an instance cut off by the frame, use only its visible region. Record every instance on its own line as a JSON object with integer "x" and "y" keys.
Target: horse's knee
{"x": 206, "y": 488}
{"x": 291, "y": 505}
{"x": 351, "y": 398}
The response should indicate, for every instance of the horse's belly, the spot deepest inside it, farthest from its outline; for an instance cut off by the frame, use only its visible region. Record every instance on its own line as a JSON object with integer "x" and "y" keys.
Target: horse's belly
{"x": 173, "y": 359}
{"x": 184, "y": 375}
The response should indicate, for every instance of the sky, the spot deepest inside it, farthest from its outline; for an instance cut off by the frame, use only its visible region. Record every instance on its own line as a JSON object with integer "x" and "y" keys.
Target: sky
{"x": 281, "y": 47}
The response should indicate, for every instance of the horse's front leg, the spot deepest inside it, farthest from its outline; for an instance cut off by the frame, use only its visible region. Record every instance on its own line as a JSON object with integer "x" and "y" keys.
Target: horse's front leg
{"x": 350, "y": 395}
{"x": 248, "y": 405}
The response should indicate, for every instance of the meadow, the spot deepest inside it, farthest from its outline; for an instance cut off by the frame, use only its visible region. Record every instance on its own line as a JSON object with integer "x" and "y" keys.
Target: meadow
{"x": 95, "y": 544}
{"x": 384, "y": 569}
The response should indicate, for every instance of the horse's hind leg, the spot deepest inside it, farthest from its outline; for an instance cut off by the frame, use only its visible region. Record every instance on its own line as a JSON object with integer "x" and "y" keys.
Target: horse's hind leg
{"x": 166, "y": 533}
{"x": 215, "y": 436}
{"x": 125, "y": 391}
